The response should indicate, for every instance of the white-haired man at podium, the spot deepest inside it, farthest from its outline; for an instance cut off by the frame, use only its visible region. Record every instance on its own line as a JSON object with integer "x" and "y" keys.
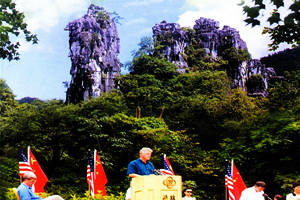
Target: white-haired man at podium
{"x": 141, "y": 166}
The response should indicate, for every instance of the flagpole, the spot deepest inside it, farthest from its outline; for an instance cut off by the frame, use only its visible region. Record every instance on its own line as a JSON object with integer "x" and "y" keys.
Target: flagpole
{"x": 19, "y": 147}
{"x": 89, "y": 184}
{"x": 231, "y": 169}
{"x": 226, "y": 191}
{"x": 89, "y": 191}
{"x": 29, "y": 161}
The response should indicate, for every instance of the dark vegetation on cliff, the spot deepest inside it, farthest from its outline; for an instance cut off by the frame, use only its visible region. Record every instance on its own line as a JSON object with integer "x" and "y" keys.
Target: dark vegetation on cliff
{"x": 287, "y": 60}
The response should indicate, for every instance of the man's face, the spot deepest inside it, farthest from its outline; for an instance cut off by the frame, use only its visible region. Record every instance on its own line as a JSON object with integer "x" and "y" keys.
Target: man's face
{"x": 31, "y": 181}
{"x": 145, "y": 155}
{"x": 297, "y": 190}
{"x": 188, "y": 193}
{"x": 259, "y": 188}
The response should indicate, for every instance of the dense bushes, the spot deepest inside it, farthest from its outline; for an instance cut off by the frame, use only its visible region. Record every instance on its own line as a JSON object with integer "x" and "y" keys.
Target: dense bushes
{"x": 195, "y": 118}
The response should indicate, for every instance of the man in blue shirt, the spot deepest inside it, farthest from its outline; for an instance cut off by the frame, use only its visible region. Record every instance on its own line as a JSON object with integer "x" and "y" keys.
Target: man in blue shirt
{"x": 139, "y": 167}
{"x": 142, "y": 165}
{"x": 25, "y": 189}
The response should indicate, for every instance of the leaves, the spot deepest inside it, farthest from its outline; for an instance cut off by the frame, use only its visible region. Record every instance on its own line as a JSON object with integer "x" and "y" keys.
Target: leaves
{"x": 252, "y": 12}
{"x": 275, "y": 18}
{"x": 278, "y": 3}
{"x": 12, "y": 24}
{"x": 286, "y": 31}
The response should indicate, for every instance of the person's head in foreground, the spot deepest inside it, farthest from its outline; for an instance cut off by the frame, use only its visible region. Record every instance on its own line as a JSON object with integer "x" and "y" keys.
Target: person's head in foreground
{"x": 29, "y": 178}
{"x": 188, "y": 192}
{"x": 296, "y": 188}
{"x": 259, "y": 186}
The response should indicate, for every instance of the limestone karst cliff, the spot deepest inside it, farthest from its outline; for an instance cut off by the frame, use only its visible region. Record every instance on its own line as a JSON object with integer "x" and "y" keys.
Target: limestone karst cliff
{"x": 94, "y": 48}
{"x": 174, "y": 39}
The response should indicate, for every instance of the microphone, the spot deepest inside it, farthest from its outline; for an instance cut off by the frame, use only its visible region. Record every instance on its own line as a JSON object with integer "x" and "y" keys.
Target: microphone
{"x": 158, "y": 171}
{"x": 266, "y": 196}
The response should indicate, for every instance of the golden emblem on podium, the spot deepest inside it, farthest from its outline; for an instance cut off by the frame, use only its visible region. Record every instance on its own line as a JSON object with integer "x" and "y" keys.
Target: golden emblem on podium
{"x": 169, "y": 182}
{"x": 156, "y": 187}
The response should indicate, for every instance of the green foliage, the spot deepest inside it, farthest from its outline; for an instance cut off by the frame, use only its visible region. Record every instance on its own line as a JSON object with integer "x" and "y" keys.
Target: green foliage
{"x": 158, "y": 67}
{"x": 164, "y": 38}
{"x": 109, "y": 104}
{"x": 235, "y": 56}
{"x": 8, "y": 169}
{"x": 268, "y": 144}
{"x": 195, "y": 118}
{"x": 7, "y": 101}
{"x": 280, "y": 30}
{"x": 197, "y": 57}
{"x": 161, "y": 41}
{"x": 144, "y": 91}
{"x": 287, "y": 60}
{"x": 255, "y": 83}
{"x": 285, "y": 93}
{"x": 11, "y": 25}
{"x": 194, "y": 54}
{"x": 146, "y": 46}
{"x": 103, "y": 18}
{"x": 232, "y": 58}
{"x": 188, "y": 29}
{"x": 11, "y": 196}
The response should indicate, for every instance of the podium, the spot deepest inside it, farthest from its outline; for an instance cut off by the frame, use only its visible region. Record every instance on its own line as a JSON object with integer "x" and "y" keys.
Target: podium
{"x": 154, "y": 187}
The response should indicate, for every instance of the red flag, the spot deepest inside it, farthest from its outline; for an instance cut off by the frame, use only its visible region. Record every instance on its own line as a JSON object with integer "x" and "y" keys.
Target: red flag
{"x": 238, "y": 183}
{"x": 99, "y": 175}
{"x": 41, "y": 177}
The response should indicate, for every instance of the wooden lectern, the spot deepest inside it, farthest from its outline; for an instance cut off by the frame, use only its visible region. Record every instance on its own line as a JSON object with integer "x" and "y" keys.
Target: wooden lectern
{"x": 154, "y": 187}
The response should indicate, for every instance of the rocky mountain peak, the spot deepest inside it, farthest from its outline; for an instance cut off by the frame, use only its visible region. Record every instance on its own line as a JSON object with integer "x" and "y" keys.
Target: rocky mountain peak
{"x": 94, "y": 47}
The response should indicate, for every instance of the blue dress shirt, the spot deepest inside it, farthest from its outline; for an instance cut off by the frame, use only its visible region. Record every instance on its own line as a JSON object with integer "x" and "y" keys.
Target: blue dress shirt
{"x": 139, "y": 167}
{"x": 26, "y": 193}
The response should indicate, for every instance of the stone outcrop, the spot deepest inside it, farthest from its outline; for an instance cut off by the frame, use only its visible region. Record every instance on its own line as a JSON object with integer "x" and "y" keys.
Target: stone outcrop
{"x": 173, "y": 40}
{"x": 213, "y": 39}
{"x": 254, "y": 77}
{"x": 94, "y": 46}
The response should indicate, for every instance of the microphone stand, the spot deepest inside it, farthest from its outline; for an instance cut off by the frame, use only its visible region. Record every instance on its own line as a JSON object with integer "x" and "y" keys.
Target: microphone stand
{"x": 267, "y": 197}
{"x": 158, "y": 171}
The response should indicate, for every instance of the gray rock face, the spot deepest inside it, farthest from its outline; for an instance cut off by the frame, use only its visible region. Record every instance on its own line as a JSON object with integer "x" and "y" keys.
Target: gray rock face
{"x": 211, "y": 38}
{"x": 260, "y": 74}
{"x": 231, "y": 37}
{"x": 174, "y": 40}
{"x": 94, "y": 46}
{"x": 208, "y": 34}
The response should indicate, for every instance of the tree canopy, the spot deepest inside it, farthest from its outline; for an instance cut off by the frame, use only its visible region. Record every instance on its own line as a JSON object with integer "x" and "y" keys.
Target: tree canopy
{"x": 12, "y": 24}
{"x": 281, "y": 29}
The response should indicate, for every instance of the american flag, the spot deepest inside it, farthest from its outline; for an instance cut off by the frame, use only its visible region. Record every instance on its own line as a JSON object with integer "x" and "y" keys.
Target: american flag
{"x": 229, "y": 182}
{"x": 90, "y": 173}
{"x": 167, "y": 168}
{"x": 24, "y": 165}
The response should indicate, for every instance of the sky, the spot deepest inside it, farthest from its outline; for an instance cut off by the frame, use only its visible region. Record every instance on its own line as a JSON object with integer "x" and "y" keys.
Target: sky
{"x": 44, "y": 67}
